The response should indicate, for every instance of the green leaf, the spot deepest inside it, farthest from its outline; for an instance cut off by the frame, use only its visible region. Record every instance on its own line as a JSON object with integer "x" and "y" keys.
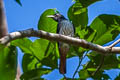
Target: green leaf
{"x": 34, "y": 74}
{"x": 101, "y": 76}
{"x": 39, "y": 47}
{"x": 8, "y": 62}
{"x": 47, "y": 24}
{"x": 44, "y": 51}
{"x": 83, "y": 74}
{"x": 91, "y": 69}
{"x": 50, "y": 61}
{"x": 86, "y": 3}
{"x": 78, "y": 15}
{"x": 118, "y": 77}
{"x": 88, "y": 34}
{"x": 76, "y": 51}
{"x": 18, "y": 1}
{"x": 2, "y": 47}
{"x": 29, "y": 62}
{"x": 86, "y": 73}
{"x": 110, "y": 61}
{"x": 107, "y": 27}
{"x": 24, "y": 44}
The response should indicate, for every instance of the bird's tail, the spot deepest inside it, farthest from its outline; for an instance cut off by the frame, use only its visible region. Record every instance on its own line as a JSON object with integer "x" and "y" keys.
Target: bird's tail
{"x": 63, "y": 54}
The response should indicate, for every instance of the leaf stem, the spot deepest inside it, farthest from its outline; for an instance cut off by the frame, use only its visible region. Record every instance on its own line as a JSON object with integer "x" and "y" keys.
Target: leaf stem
{"x": 100, "y": 65}
{"x": 80, "y": 61}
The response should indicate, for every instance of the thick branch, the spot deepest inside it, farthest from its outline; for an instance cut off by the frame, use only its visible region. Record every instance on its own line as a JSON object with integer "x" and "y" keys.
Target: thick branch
{"x": 3, "y": 24}
{"x": 60, "y": 38}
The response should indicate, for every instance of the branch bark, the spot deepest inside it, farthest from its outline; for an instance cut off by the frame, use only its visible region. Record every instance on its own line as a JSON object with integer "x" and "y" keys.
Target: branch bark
{"x": 60, "y": 38}
{"x": 113, "y": 44}
{"x": 3, "y": 24}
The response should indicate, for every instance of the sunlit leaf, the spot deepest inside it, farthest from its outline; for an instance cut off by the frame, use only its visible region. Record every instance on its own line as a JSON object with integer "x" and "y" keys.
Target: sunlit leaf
{"x": 29, "y": 62}
{"x": 44, "y": 50}
{"x": 78, "y": 15}
{"x": 39, "y": 47}
{"x": 8, "y": 62}
{"x": 107, "y": 27}
{"x": 47, "y": 24}
{"x": 24, "y": 44}
{"x": 91, "y": 69}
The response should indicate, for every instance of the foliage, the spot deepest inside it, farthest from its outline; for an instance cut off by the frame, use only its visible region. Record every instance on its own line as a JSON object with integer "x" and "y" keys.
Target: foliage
{"x": 19, "y": 2}
{"x": 8, "y": 62}
{"x": 40, "y": 57}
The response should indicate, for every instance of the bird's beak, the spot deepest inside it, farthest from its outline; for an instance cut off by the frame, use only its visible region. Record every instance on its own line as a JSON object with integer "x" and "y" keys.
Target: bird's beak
{"x": 50, "y": 16}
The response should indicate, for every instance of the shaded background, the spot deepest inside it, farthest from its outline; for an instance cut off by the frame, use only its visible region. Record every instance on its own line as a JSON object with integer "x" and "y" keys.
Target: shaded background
{"x": 27, "y": 16}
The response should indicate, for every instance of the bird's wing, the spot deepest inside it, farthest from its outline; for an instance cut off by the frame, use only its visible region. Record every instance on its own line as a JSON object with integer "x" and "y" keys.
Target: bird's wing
{"x": 58, "y": 28}
{"x": 74, "y": 28}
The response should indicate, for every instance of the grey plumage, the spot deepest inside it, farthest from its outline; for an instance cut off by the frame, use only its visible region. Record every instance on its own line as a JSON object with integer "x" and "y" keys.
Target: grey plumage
{"x": 64, "y": 27}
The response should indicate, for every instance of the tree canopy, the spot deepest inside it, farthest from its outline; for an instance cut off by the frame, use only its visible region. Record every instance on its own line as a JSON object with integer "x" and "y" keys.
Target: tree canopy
{"x": 41, "y": 56}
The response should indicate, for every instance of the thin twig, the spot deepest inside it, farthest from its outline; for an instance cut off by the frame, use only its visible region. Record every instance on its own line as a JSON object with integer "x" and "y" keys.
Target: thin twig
{"x": 65, "y": 78}
{"x": 100, "y": 65}
{"x": 80, "y": 61}
{"x": 113, "y": 44}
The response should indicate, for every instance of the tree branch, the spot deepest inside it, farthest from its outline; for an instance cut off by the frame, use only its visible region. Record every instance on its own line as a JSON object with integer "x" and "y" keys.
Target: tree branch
{"x": 3, "y": 24}
{"x": 116, "y": 42}
{"x": 61, "y": 38}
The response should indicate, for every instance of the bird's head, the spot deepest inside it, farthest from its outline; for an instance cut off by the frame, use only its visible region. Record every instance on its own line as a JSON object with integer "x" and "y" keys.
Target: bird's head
{"x": 57, "y": 17}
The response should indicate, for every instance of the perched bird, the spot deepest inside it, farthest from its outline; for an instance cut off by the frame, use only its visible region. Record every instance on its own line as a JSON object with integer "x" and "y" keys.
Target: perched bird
{"x": 64, "y": 27}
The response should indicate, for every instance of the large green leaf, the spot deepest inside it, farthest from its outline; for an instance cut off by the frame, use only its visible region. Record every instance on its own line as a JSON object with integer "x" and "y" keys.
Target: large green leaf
{"x": 24, "y": 44}
{"x": 29, "y": 62}
{"x": 107, "y": 27}
{"x": 50, "y": 61}
{"x": 8, "y": 62}
{"x": 78, "y": 15}
{"x": 34, "y": 74}
{"x": 39, "y": 48}
{"x": 45, "y": 52}
{"x": 47, "y": 24}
